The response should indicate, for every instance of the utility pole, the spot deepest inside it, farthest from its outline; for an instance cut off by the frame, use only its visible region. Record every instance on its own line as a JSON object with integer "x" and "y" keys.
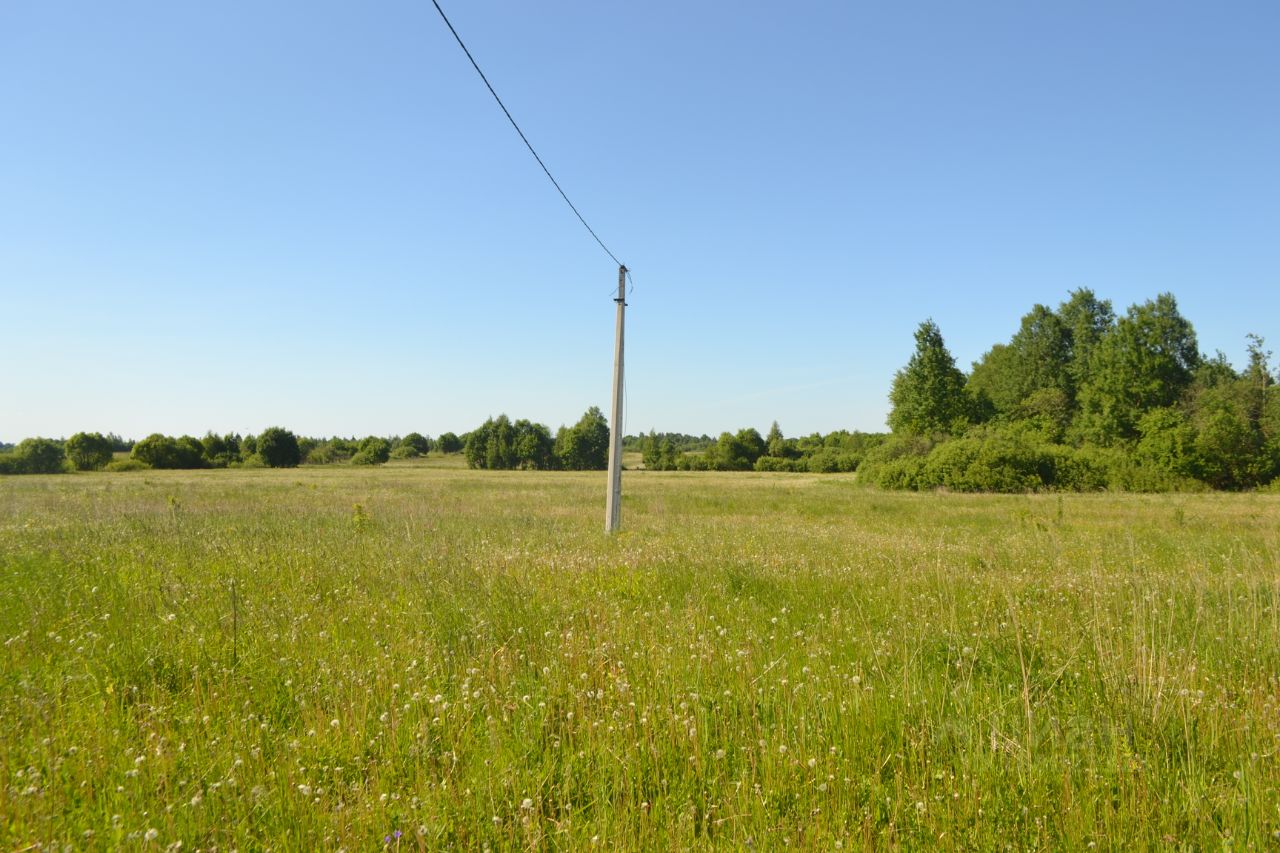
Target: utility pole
{"x": 613, "y": 500}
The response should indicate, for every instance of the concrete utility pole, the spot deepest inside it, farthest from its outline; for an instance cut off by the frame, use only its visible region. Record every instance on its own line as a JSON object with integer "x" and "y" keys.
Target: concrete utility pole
{"x": 613, "y": 501}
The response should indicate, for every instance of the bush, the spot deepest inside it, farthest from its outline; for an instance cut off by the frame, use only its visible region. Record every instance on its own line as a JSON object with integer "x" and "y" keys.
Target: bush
{"x": 830, "y": 461}
{"x": 373, "y": 451}
{"x": 988, "y": 461}
{"x": 161, "y": 451}
{"x": 118, "y": 465}
{"x": 34, "y": 456}
{"x": 327, "y": 453}
{"x": 405, "y": 451}
{"x": 418, "y": 443}
{"x": 778, "y": 463}
{"x": 88, "y": 451}
{"x": 895, "y": 463}
{"x": 902, "y": 472}
{"x": 278, "y": 448}
{"x": 448, "y": 443}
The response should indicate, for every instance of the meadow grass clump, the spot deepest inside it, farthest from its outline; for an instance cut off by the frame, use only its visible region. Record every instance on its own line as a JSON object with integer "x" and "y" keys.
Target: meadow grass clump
{"x": 316, "y": 658}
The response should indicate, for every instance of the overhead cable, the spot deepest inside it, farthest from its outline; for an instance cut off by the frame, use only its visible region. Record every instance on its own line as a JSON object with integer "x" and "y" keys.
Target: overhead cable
{"x": 525, "y": 139}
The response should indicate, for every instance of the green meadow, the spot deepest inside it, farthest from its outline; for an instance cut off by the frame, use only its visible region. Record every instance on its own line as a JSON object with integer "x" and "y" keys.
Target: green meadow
{"x": 423, "y": 657}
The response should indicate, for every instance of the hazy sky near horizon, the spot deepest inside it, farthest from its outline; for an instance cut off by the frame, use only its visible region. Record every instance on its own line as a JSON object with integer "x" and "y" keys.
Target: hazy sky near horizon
{"x": 232, "y": 215}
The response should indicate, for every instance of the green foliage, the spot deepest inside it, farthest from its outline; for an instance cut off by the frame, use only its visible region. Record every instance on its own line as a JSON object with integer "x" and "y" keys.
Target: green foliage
{"x": 1036, "y": 361}
{"x": 120, "y": 465}
{"x": 88, "y": 451}
{"x": 221, "y": 451}
{"x": 1168, "y": 442}
{"x": 372, "y": 451}
{"x": 782, "y": 464}
{"x": 500, "y": 444}
{"x": 658, "y": 453}
{"x": 448, "y": 442}
{"x": 1080, "y": 400}
{"x": 418, "y": 443}
{"x": 1146, "y": 361}
{"x": 328, "y": 452}
{"x": 928, "y": 395}
{"x": 585, "y": 445}
{"x": 162, "y": 451}
{"x": 775, "y": 443}
{"x": 278, "y": 448}
{"x": 1089, "y": 320}
{"x": 34, "y": 456}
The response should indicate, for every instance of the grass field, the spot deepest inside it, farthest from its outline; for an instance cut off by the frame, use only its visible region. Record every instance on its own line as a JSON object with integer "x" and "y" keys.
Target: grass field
{"x": 426, "y": 657}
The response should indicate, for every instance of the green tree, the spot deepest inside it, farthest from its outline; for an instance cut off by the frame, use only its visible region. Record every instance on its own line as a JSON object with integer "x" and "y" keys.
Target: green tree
{"x": 1147, "y": 360}
{"x": 774, "y": 442}
{"x": 585, "y": 445}
{"x": 1168, "y": 442}
{"x": 533, "y": 446}
{"x": 928, "y": 395}
{"x": 448, "y": 443}
{"x": 278, "y": 448}
{"x": 34, "y": 456}
{"x": 420, "y": 444}
{"x": 1089, "y": 319}
{"x": 1035, "y": 359}
{"x": 752, "y": 444}
{"x": 156, "y": 450}
{"x": 373, "y": 451}
{"x": 88, "y": 451}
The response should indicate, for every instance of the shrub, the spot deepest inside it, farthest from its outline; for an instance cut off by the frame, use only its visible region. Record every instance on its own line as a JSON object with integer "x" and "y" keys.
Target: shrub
{"x": 327, "y": 453}
{"x": 118, "y": 465}
{"x": 902, "y": 472}
{"x": 278, "y": 448}
{"x": 405, "y": 451}
{"x": 88, "y": 451}
{"x": 34, "y": 456}
{"x": 778, "y": 463}
{"x": 161, "y": 451}
{"x": 830, "y": 461}
{"x": 373, "y": 451}
{"x": 418, "y": 443}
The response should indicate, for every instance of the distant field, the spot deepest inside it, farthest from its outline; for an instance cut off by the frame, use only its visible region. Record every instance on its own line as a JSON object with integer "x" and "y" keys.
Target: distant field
{"x": 323, "y": 658}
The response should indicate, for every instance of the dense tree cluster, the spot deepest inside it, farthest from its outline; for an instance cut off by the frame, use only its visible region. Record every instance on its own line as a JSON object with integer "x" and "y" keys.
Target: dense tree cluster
{"x": 747, "y": 450}
{"x": 500, "y": 443}
{"x": 34, "y": 456}
{"x": 1080, "y": 398}
{"x": 274, "y": 447}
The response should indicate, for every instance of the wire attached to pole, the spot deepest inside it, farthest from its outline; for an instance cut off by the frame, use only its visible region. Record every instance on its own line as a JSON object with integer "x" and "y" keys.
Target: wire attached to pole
{"x": 525, "y": 139}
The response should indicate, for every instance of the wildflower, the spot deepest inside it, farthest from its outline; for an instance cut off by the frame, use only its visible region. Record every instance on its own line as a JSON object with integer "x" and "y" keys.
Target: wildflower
{"x": 304, "y": 790}
{"x": 333, "y": 724}
{"x": 152, "y": 834}
{"x": 526, "y": 804}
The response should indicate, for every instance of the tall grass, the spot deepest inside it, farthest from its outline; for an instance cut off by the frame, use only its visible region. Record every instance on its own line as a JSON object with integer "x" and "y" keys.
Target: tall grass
{"x": 319, "y": 659}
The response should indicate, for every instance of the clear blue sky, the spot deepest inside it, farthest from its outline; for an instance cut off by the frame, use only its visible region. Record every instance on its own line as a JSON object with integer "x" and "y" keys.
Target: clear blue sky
{"x": 231, "y": 215}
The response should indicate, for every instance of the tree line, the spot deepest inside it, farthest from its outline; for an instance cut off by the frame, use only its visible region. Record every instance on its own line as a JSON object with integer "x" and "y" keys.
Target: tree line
{"x": 1078, "y": 398}
{"x": 274, "y": 447}
{"x": 747, "y": 450}
{"x": 1083, "y": 398}
{"x": 500, "y": 443}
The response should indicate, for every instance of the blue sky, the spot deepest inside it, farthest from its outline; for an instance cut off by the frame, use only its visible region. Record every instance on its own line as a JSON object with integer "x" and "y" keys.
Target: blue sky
{"x": 226, "y": 216}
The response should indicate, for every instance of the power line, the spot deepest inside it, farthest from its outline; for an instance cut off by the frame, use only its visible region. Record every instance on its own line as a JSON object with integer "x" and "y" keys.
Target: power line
{"x": 554, "y": 182}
